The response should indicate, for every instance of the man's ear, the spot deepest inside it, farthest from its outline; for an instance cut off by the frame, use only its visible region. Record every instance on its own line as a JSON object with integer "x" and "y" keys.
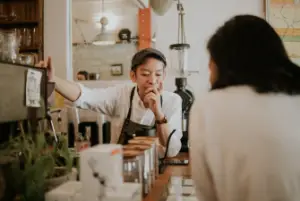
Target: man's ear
{"x": 133, "y": 76}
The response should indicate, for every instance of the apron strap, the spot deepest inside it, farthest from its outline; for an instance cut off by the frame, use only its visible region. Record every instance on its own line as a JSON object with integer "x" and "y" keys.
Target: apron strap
{"x": 123, "y": 138}
{"x": 130, "y": 104}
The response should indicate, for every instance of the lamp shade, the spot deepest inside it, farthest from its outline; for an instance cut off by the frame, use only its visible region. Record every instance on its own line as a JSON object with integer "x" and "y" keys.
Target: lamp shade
{"x": 104, "y": 38}
{"x": 160, "y": 7}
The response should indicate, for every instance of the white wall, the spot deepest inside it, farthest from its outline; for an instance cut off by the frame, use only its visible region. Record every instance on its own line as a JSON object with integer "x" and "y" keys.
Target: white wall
{"x": 57, "y": 37}
{"x": 201, "y": 20}
{"x": 98, "y": 59}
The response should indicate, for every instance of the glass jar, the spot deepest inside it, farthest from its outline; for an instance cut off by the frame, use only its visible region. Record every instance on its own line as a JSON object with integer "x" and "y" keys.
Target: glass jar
{"x": 179, "y": 58}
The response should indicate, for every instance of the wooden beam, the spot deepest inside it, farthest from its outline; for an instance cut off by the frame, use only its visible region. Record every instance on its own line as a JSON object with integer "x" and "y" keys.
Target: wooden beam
{"x": 144, "y": 28}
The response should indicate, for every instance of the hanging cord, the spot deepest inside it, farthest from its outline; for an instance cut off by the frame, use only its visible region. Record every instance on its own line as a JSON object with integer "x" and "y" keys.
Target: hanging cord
{"x": 80, "y": 30}
{"x": 168, "y": 144}
{"x": 181, "y": 29}
{"x": 162, "y": 165}
{"x": 103, "y": 20}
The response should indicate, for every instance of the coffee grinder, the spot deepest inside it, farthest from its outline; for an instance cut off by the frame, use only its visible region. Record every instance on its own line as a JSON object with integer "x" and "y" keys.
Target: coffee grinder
{"x": 179, "y": 62}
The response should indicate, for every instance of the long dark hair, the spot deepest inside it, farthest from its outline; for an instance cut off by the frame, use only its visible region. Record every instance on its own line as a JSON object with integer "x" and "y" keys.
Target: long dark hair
{"x": 248, "y": 51}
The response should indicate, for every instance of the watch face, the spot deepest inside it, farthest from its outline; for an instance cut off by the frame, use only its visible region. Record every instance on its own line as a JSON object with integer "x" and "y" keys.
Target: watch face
{"x": 163, "y": 121}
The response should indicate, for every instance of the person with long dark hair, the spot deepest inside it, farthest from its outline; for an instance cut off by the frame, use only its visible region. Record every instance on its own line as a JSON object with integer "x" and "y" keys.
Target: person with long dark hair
{"x": 245, "y": 133}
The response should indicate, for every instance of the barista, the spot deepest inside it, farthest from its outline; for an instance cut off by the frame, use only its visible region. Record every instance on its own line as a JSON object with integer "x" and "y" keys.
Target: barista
{"x": 144, "y": 106}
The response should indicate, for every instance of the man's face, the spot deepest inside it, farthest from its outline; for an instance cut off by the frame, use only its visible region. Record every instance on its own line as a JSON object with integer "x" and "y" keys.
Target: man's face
{"x": 80, "y": 77}
{"x": 150, "y": 74}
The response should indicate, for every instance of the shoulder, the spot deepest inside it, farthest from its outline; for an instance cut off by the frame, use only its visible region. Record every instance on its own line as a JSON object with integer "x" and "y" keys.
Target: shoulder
{"x": 218, "y": 109}
{"x": 240, "y": 100}
{"x": 224, "y": 101}
{"x": 123, "y": 89}
{"x": 228, "y": 96}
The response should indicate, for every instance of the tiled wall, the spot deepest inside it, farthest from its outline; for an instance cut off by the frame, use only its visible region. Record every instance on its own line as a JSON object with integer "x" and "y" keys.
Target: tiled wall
{"x": 120, "y": 14}
{"x": 98, "y": 59}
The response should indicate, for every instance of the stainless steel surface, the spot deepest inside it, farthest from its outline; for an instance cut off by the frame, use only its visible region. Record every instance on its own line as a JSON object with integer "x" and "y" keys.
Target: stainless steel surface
{"x": 152, "y": 154}
{"x": 53, "y": 130}
{"x": 155, "y": 143}
{"x": 145, "y": 149}
{"x": 59, "y": 118}
{"x": 77, "y": 115}
{"x": 13, "y": 80}
{"x": 49, "y": 117}
{"x": 132, "y": 166}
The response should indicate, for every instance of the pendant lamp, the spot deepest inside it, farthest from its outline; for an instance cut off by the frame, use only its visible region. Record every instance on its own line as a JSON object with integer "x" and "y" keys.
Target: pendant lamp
{"x": 160, "y": 7}
{"x": 104, "y": 38}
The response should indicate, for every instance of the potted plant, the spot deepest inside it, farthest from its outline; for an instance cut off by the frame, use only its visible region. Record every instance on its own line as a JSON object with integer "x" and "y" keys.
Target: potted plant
{"x": 63, "y": 169}
{"x": 34, "y": 166}
{"x": 27, "y": 164}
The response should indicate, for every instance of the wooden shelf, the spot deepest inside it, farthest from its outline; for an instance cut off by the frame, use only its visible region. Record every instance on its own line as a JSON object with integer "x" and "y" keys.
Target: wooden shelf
{"x": 13, "y": 1}
{"x": 133, "y": 42}
{"x": 29, "y": 49}
{"x": 30, "y": 15}
{"x": 18, "y": 23}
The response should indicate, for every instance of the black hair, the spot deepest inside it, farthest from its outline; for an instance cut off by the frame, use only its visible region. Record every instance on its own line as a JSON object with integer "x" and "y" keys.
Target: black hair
{"x": 145, "y": 59}
{"x": 84, "y": 73}
{"x": 248, "y": 51}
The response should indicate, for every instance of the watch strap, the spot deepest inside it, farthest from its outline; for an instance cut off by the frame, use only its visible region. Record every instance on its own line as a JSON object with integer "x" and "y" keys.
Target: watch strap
{"x": 162, "y": 121}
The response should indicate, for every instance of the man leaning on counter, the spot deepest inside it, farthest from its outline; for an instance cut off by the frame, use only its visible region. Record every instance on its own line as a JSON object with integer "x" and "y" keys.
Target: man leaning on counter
{"x": 145, "y": 108}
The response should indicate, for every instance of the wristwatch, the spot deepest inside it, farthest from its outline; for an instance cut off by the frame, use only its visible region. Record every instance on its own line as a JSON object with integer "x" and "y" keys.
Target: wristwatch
{"x": 162, "y": 121}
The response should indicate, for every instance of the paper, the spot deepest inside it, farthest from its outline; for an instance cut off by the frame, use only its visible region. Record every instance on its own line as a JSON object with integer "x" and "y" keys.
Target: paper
{"x": 33, "y": 88}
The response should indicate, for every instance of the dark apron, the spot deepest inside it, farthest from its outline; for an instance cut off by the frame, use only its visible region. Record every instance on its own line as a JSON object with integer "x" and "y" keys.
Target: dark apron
{"x": 131, "y": 129}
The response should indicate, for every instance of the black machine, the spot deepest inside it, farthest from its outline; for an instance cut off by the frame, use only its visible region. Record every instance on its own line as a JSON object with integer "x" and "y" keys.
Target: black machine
{"x": 187, "y": 102}
{"x": 179, "y": 60}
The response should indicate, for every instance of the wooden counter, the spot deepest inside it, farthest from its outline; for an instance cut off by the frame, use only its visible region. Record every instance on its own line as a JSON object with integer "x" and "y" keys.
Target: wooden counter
{"x": 159, "y": 190}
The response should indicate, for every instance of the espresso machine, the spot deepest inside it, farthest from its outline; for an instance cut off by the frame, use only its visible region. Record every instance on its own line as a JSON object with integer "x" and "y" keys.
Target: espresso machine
{"x": 23, "y": 104}
{"x": 179, "y": 62}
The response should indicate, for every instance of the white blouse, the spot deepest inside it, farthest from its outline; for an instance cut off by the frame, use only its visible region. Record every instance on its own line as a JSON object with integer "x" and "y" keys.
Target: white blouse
{"x": 245, "y": 146}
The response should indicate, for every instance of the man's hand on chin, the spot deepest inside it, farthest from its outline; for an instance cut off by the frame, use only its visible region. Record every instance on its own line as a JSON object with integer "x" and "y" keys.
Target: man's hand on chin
{"x": 153, "y": 102}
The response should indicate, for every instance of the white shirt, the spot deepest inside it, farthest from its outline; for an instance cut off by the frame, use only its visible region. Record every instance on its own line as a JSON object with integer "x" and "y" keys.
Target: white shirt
{"x": 245, "y": 146}
{"x": 114, "y": 101}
